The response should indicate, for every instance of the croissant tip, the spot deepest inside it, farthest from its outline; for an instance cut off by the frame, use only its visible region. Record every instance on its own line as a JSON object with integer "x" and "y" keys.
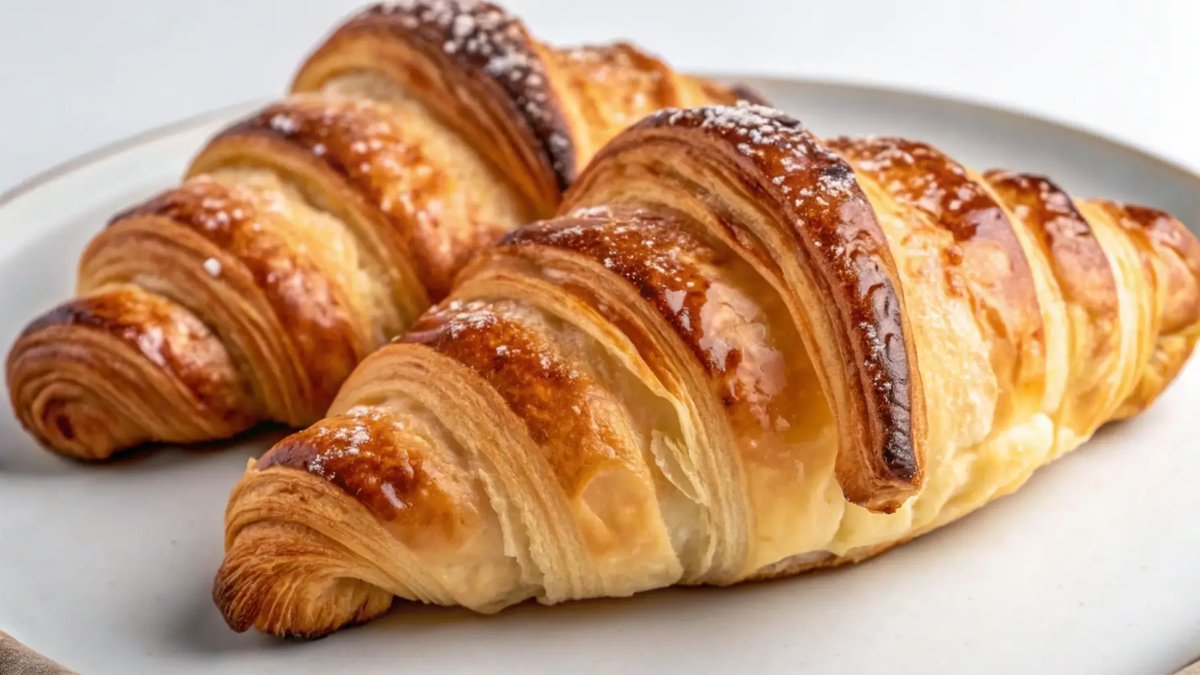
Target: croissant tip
{"x": 279, "y": 579}
{"x": 238, "y": 612}
{"x": 60, "y": 414}
{"x": 260, "y": 606}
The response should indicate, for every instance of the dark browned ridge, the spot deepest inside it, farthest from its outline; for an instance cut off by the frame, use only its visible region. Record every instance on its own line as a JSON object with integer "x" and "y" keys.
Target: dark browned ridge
{"x": 363, "y": 474}
{"x": 840, "y": 239}
{"x": 477, "y": 36}
{"x": 860, "y": 274}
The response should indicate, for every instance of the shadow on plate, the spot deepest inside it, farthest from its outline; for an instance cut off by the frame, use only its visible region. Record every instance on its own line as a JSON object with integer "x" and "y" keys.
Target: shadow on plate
{"x": 21, "y": 454}
{"x": 408, "y": 625}
{"x": 201, "y": 630}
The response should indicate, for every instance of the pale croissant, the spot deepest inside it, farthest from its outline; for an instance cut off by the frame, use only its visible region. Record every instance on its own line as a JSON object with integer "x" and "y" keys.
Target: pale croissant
{"x": 739, "y": 353}
{"x": 313, "y": 231}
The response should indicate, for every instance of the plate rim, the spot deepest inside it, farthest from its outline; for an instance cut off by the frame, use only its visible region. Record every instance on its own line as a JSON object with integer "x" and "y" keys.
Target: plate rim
{"x": 107, "y": 150}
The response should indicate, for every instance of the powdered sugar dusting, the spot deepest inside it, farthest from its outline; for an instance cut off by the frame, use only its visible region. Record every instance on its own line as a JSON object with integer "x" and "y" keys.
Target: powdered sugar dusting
{"x": 150, "y": 341}
{"x": 792, "y": 155}
{"x": 920, "y": 175}
{"x": 346, "y": 439}
{"x": 599, "y": 211}
{"x": 485, "y": 36}
{"x": 389, "y": 493}
{"x": 283, "y": 123}
{"x": 213, "y": 267}
{"x": 755, "y": 126}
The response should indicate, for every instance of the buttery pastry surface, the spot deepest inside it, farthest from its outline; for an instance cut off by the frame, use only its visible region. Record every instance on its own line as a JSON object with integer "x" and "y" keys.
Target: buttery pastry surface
{"x": 308, "y": 234}
{"x": 738, "y": 352}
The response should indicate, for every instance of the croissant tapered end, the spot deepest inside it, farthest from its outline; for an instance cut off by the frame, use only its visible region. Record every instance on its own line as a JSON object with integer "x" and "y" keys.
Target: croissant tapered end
{"x": 121, "y": 367}
{"x": 837, "y": 258}
{"x": 128, "y": 363}
{"x": 1174, "y": 253}
{"x": 297, "y": 576}
{"x": 283, "y": 581}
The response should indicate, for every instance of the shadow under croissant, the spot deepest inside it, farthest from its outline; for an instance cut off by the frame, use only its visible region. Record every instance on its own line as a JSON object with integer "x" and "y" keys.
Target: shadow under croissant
{"x": 405, "y": 617}
{"x": 819, "y": 586}
{"x": 30, "y": 459}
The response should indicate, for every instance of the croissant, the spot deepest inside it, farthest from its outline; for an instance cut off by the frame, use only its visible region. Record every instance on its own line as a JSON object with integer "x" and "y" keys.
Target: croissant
{"x": 739, "y": 353}
{"x": 310, "y": 233}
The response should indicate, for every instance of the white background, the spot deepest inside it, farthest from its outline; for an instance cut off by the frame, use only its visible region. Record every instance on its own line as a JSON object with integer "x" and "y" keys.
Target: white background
{"x": 78, "y": 74}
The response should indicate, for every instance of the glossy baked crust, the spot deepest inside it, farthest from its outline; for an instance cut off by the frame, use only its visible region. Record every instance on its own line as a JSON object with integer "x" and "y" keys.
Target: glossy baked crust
{"x": 739, "y": 352}
{"x": 314, "y": 230}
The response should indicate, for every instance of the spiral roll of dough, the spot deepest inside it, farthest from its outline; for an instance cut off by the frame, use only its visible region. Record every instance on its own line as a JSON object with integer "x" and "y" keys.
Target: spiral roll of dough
{"x": 740, "y": 352}
{"x": 311, "y": 232}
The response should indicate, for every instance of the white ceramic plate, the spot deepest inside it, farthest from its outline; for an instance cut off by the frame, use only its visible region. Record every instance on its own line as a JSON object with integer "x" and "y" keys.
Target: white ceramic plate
{"x": 1091, "y": 567}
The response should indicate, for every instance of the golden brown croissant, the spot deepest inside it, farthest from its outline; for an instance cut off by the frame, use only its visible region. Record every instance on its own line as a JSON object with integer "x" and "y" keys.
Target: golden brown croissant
{"x": 318, "y": 228}
{"x": 739, "y": 353}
